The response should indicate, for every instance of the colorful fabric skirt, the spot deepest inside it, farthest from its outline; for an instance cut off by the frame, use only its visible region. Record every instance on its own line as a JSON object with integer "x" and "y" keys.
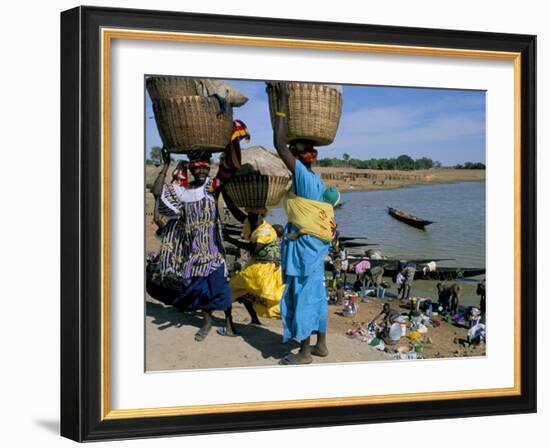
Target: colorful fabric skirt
{"x": 264, "y": 281}
{"x": 205, "y": 293}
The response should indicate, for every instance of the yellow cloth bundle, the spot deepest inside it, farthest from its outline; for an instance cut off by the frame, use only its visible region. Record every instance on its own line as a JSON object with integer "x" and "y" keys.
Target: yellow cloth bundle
{"x": 262, "y": 281}
{"x": 311, "y": 217}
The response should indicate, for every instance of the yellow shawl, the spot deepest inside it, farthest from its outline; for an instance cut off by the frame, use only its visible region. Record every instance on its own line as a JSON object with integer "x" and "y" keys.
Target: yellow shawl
{"x": 311, "y": 217}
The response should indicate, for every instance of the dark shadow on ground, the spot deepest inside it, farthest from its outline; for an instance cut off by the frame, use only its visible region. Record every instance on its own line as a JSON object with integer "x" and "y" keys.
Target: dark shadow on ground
{"x": 268, "y": 343}
{"x": 168, "y": 316}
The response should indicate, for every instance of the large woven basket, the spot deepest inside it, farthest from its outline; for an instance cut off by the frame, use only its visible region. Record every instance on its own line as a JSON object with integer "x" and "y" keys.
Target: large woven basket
{"x": 257, "y": 190}
{"x": 193, "y": 123}
{"x": 164, "y": 87}
{"x": 313, "y": 113}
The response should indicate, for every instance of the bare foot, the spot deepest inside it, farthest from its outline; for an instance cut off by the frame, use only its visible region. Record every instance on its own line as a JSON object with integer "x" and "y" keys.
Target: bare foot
{"x": 206, "y": 327}
{"x": 320, "y": 350}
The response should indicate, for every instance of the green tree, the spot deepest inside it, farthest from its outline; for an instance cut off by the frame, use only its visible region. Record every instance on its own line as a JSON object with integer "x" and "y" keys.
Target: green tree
{"x": 156, "y": 153}
{"x": 423, "y": 164}
{"x": 405, "y": 162}
{"x": 471, "y": 166}
{"x": 391, "y": 164}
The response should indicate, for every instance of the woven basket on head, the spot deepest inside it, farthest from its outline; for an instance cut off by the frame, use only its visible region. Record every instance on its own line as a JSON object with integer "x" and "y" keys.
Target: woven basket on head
{"x": 193, "y": 123}
{"x": 263, "y": 161}
{"x": 164, "y": 87}
{"x": 257, "y": 190}
{"x": 313, "y": 113}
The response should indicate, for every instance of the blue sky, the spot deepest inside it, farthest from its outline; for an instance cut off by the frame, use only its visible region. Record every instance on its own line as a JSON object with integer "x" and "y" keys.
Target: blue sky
{"x": 378, "y": 122}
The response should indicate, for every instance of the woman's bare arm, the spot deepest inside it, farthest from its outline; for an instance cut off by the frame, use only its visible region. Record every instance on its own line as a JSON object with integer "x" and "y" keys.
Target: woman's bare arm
{"x": 235, "y": 211}
{"x": 156, "y": 216}
{"x": 156, "y": 189}
{"x": 253, "y": 248}
{"x": 280, "y": 134}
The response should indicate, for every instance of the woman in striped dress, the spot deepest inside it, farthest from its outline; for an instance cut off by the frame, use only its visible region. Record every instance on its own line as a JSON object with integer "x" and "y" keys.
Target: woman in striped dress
{"x": 192, "y": 252}
{"x": 192, "y": 273}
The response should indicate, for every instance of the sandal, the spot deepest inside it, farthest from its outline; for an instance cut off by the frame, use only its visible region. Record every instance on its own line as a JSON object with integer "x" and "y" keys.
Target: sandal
{"x": 201, "y": 334}
{"x": 222, "y": 331}
{"x": 289, "y": 360}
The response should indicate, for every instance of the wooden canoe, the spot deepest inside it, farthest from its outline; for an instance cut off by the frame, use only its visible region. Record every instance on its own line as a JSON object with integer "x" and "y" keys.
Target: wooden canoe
{"x": 440, "y": 273}
{"x": 409, "y": 219}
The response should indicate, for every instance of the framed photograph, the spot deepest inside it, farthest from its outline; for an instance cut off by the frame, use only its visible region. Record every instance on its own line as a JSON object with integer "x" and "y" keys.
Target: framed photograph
{"x": 274, "y": 223}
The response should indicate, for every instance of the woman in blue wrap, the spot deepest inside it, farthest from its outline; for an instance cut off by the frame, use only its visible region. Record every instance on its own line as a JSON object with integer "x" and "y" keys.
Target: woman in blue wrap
{"x": 304, "y": 303}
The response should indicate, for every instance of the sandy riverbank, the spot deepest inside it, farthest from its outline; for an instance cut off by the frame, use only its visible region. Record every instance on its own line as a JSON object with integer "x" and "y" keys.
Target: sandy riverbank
{"x": 170, "y": 344}
{"x": 170, "y": 333}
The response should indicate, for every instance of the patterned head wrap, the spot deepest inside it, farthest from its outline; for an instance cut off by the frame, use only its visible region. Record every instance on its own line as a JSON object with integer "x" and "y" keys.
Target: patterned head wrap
{"x": 199, "y": 164}
{"x": 199, "y": 159}
{"x": 239, "y": 131}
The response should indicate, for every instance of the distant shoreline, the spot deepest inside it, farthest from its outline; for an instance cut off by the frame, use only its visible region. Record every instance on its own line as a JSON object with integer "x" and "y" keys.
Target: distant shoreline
{"x": 354, "y": 179}
{"x": 398, "y": 187}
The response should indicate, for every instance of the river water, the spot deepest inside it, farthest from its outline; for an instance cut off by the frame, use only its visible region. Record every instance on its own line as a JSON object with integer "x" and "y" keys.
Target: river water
{"x": 457, "y": 209}
{"x": 458, "y": 232}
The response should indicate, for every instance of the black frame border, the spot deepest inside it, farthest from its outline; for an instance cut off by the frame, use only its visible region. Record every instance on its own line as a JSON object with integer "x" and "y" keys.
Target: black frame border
{"x": 81, "y": 223}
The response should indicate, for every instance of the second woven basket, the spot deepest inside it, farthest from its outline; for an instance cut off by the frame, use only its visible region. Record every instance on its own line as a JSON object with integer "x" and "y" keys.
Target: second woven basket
{"x": 191, "y": 123}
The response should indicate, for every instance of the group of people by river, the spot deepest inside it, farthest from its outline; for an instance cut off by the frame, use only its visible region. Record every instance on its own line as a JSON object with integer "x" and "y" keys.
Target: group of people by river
{"x": 369, "y": 282}
{"x": 284, "y": 276}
